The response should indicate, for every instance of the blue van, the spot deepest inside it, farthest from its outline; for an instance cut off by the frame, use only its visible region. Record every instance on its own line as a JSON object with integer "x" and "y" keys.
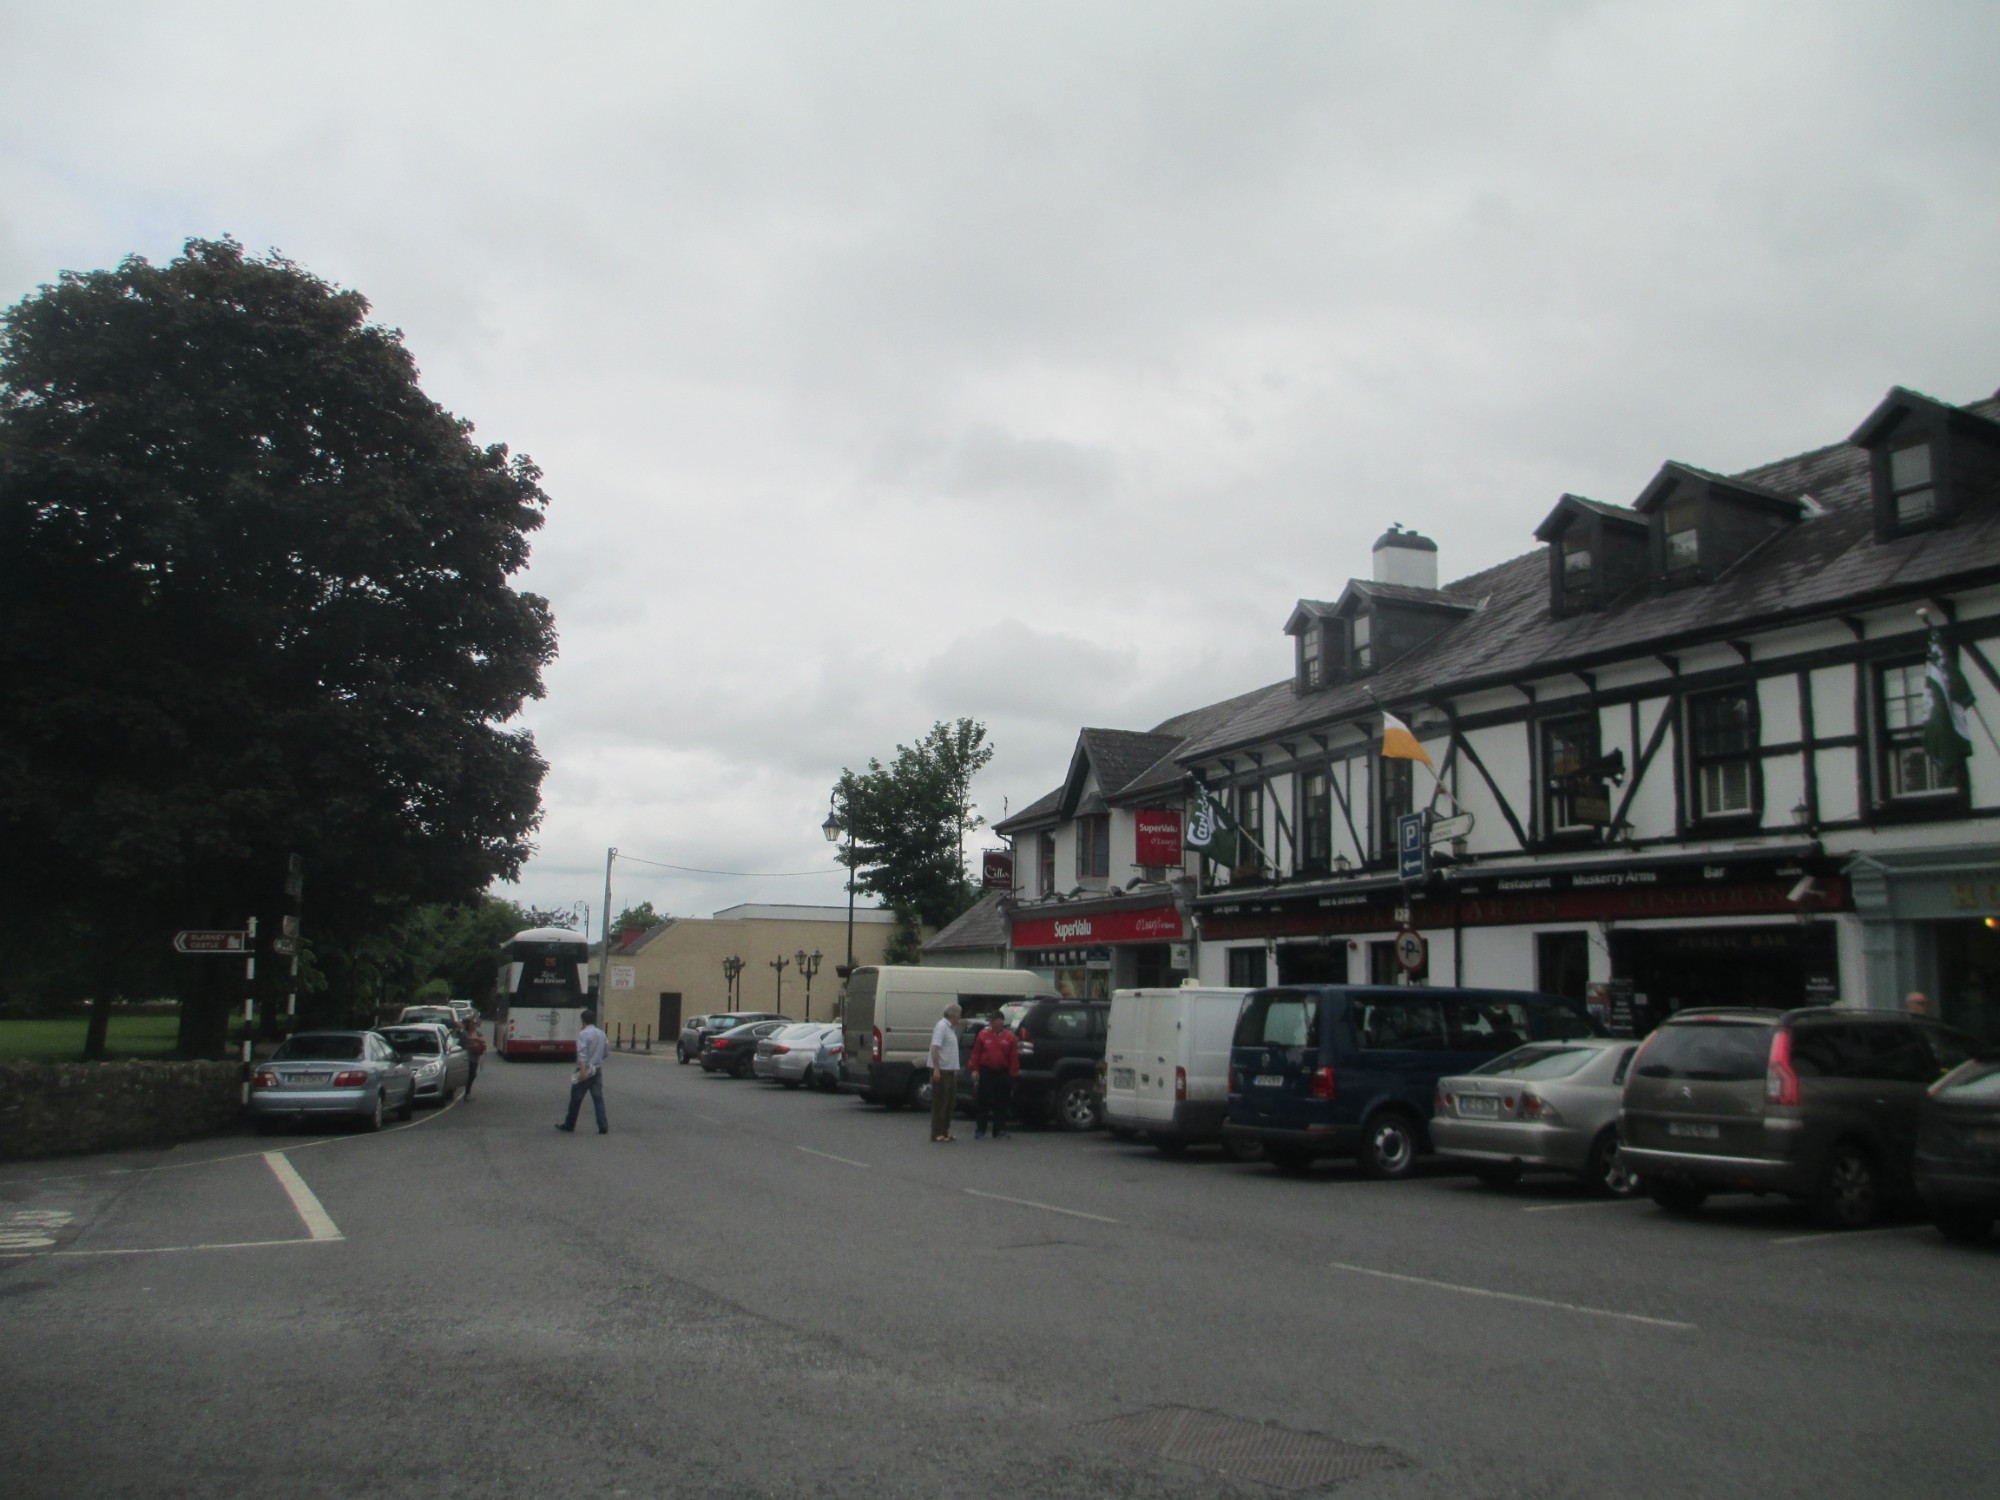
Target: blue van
{"x": 1338, "y": 1069}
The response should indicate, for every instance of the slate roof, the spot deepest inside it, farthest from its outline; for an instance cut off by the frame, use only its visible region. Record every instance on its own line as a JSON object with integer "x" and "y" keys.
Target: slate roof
{"x": 1826, "y": 561}
{"x": 981, "y": 925}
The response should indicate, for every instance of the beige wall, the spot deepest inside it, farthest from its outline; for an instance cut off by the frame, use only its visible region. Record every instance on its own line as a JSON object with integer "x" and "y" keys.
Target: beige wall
{"x": 687, "y": 957}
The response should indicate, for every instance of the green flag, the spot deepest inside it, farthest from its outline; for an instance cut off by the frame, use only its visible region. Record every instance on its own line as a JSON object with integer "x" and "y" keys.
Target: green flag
{"x": 1947, "y": 735}
{"x": 1211, "y": 832}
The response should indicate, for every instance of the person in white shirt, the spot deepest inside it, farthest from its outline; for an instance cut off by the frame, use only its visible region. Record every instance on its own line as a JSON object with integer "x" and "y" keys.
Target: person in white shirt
{"x": 591, "y": 1047}
{"x": 944, "y": 1073}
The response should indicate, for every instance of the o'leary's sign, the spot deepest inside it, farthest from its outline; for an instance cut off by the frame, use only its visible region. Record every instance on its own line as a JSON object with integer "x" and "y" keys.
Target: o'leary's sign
{"x": 1152, "y": 924}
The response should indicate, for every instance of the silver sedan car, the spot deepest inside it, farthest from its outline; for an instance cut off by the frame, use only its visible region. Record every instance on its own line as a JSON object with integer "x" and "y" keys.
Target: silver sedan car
{"x": 786, "y": 1055}
{"x": 441, "y": 1064}
{"x": 341, "y": 1075}
{"x": 1545, "y": 1107}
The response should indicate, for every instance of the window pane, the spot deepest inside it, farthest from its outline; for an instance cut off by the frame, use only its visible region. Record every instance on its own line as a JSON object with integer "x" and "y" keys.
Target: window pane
{"x": 1910, "y": 467}
{"x": 1725, "y": 787}
{"x": 1913, "y": 506}
{"x": 1402, "y": 1026}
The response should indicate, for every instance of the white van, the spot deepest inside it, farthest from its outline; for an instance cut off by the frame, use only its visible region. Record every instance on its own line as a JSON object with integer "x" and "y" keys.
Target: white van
{"x": 1166, "y": 1063}
{"x": 887, "y": 1015}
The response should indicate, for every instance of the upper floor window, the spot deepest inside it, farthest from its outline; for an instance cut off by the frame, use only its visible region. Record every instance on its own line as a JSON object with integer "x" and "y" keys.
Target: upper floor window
{"x": 1395, "y": 783}
{"x": 1364, "y": 652}
{"x": 1569, "y": 750}
{"x": 1093, "y": 847}
{"x": 1315, "y": 821}
{"x": 1576, "y": 561}
{"x": 1907, "y": 771}
{"x": 1912, "y": 493}
{"x": 1312, "y": 666}
{"x": 1249, "y": 812}
{"x": 1682, "y": 526}
{"x": 1045, "y": 865}
{"x": 1722, "y": 736}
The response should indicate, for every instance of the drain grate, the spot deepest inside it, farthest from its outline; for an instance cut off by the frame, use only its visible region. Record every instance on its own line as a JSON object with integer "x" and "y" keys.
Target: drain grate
{"x": 1257, "y": 1451}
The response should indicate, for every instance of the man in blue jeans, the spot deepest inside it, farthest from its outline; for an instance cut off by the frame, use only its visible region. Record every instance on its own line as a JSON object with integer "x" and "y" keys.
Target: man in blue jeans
{"x": 591, "y": 1047}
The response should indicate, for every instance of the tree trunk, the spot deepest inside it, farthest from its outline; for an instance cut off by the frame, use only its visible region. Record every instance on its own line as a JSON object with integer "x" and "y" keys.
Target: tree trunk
{"x": 100, "y": 1022}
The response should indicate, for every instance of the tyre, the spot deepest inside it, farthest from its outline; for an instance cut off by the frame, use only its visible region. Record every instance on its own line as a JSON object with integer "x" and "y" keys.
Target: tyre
{"x": 1238, "y": 1150}
{"x": 1293, "y": 1159}
{"x": 373, "y": 1119}
{"x": 1676, "y": 1197}
{"x": 919, "y": 1095}
{"x": 409, "y": 1107}
{"x": 1076, "y": 1105}
{"x": 1605, "y": 1173}
{"x": 1389, "y": 1146}
{"x": 1969, "y": 1226}
{"x": 1497, "y": 1174}
{"x": 1849, "y": 1195}
{"x": 681, "y": 1053}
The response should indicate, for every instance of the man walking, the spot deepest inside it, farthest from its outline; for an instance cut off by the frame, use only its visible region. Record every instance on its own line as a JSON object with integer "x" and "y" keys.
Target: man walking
{"x": 591, "y": 1047}
{"x": 996, "y": 1062}
{"x": 944, "y": 1074}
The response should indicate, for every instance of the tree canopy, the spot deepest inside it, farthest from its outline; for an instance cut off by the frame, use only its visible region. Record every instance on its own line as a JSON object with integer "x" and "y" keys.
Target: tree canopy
{"x": 909, "y": 820}
{"x": 255, "y": 600}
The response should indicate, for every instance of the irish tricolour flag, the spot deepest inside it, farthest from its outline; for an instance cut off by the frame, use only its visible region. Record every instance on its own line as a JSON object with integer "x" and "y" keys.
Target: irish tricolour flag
{"x": 1398, "y": 743}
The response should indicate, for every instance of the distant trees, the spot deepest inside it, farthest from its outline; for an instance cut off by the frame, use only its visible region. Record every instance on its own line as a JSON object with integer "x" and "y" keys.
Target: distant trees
{"x": 641, "y": 917}
{"x": 909, "y": 820}
{"x": 255, "y": 600}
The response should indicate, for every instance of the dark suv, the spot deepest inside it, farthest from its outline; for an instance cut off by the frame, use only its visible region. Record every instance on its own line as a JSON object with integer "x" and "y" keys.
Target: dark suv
{"x": 1819, "y": 1104}
{"x": 697, "y": 1031}
{"x": 1062, "y": 1042}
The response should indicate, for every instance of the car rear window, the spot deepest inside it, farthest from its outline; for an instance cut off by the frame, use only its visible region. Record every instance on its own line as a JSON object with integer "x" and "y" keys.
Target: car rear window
{"x": 1278, "y": 1020}
{"x": 319, "y": 1049}
{"x": 1539, "y": 1062}
{"x": 1710, "y": 1051}
{"x": 413, "y": 1040}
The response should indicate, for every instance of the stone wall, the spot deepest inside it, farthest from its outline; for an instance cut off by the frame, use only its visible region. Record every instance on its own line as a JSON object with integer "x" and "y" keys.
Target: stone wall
{"x": 58, "y": 1109}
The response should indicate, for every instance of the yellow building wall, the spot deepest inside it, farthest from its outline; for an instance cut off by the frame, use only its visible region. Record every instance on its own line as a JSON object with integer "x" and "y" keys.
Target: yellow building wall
{"x": 686, "y": 958}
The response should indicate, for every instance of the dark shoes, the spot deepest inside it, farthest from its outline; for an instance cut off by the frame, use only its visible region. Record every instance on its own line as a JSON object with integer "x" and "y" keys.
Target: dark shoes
{"x": 566, "y": 1129}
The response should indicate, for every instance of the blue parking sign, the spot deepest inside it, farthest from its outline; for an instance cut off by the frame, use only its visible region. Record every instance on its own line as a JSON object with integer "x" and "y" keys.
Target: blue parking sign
{"x": 1412, "y": 848}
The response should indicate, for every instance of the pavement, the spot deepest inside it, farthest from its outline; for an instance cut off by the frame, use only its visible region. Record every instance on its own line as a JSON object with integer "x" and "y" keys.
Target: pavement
{"x": 745, "y": 1290}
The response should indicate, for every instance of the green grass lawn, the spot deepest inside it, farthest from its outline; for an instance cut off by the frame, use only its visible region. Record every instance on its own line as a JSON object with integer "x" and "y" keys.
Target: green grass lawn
{"x": 62, "y": 1041}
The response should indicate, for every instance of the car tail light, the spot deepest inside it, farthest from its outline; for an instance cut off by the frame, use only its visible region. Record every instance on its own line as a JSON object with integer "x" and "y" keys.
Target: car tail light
{"x": 264, "y": 1080}
{"x": 1781, "y": 1084}
{"x": 1535, "y": 1107}
{"x": 1325, "y": 1085}
{"x": 353, "y": 1079}
{"x": 875, "y": 1053}
{"x": 776, "y": 1050}
{"x": 1180, "y": 1085}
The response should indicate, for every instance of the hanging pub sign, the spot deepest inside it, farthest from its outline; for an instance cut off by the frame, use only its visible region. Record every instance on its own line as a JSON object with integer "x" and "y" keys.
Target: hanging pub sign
{"x": 996, "y": 869}
{"x": 1159, "y": 836}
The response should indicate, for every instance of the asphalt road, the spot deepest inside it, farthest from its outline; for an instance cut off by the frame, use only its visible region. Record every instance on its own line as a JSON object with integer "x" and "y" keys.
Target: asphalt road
{"x": 744, "y": 1291}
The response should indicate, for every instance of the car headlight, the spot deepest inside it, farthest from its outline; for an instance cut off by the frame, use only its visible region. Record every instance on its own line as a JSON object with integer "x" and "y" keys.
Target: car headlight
{"x": 429, "y": 1070}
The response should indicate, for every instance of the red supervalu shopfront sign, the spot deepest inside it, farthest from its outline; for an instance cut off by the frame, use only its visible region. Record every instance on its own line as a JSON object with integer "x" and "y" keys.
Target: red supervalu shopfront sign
{"x": 1152, "y": 924}
{"x": 1159, "y": 836}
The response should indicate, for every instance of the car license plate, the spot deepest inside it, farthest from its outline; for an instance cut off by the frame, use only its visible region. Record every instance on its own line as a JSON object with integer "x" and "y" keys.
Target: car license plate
{"x": 1121, "y": 1078}
{"x": 1694, "y": 1130}
{"x": 1269, "y": 1080}
{"x": 1471, "y": 1105}
{"x": 305, "y": 1077}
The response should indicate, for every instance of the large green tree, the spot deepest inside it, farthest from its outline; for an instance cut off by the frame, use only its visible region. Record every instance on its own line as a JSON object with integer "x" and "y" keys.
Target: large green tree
{"x": 909, "y": 820}
{"x": 255, "y": 600}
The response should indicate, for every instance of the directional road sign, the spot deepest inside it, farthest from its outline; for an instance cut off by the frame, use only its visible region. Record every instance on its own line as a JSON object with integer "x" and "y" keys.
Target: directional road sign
{"x": 1413, "y": 852}
{"x": 196, "y": 940}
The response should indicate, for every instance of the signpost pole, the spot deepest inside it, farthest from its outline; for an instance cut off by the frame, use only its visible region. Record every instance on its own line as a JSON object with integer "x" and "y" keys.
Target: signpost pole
{"x": 249, "y": 998}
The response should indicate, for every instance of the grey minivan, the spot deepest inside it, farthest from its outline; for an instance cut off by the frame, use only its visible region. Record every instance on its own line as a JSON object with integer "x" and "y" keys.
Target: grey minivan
{"x": 1819, "y": 1104}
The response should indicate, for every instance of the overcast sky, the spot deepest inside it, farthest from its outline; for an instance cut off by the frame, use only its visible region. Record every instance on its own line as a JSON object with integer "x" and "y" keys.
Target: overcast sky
{"x": 892, "y": 363}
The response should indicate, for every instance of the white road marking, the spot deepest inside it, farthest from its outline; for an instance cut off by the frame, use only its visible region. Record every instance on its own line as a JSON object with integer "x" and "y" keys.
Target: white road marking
{"x": 844, "y": 1160}
{"x": 1848, "y": 1234}
{"x": 319, "y": 1224}
{"x": 1481, "y": 1291}
{"x": 1556, "y": 1208}
{"x": 170, "y": 1249}
{"x": 710, "y": 1118}
{"x": 1044, "y": 1207}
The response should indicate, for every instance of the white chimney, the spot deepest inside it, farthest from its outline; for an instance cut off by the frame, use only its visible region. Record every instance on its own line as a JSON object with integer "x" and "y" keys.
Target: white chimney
{"x": 1406, "y": 558}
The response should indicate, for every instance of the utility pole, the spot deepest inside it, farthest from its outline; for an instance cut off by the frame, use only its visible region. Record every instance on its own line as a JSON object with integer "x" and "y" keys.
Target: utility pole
{"x": 604, "y": 961}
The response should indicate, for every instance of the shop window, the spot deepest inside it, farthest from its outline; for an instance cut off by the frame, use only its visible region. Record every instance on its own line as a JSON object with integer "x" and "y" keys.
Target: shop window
{"x": 1907, "y": 772}
{"x": 1315, "y": 823}
{"x": 1045, "y": 865}
{"x": 1246, "y": 968}
{"x": 1912, "y": 493}
{"x": 1093, "y": 847}
{"x": 1722, "y": 735}
{"x": 1569, "y": 750}
{"x": 1395, "y": 783}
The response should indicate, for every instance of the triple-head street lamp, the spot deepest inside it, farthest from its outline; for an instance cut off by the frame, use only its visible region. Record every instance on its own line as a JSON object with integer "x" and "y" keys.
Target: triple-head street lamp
{"x": 808, "y": 966}
{"x": 779, "y": 965}
{"x": 732, "y": 966}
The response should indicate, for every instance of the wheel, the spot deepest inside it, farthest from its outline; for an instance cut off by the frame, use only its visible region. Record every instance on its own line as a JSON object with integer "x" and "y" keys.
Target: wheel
{"x": 1674, "y": 1196}
{"x": 373, "y": 1120}
{"x": 1968, "y": 1226}
{"x": 681, "y": 1053}
{"x": 1497, "y": 1174}
{"x": 1605, "y": 1173}
{"x": 1240, "y": 1150}
{"x": 1389, "y": 1146}
{"x": 919, "y": 1096}
{"x": 1850, "y": 1193}
{"x": 409, "y": 1107}
{"x": 1289, "y": 1158}
{"x": 1076, "y": 1105}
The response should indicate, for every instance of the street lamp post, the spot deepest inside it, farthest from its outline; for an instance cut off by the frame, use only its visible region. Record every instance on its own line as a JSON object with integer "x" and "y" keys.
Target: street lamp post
{"x": 779, "y": 965}
{"x": 731, "y": 968}
{"x": 808, "y": 966}
{"x": 832, "y": 828}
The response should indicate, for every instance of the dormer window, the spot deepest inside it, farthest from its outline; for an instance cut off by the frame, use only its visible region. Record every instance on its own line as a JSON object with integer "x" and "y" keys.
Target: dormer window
{"x": 1312, "y": 663}
{"x": 1576, "y": 562}
{"x": 1364, "y": 653}
{"x": 1597, "y": 553}
{"x": 1682, "y": 525}
{"x": 1912, "y": 495}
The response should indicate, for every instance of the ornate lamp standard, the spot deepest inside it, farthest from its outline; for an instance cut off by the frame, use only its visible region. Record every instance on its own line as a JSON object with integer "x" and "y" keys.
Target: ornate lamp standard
{"x": 833, "y": 828}
{"x": 808, "y": 966}
{"x": 779, "y": 964}
{"x": 731, "y": 968}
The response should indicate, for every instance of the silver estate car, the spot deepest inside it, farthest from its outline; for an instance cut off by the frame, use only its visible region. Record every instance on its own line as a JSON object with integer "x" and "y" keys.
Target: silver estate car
{"x": 442, "y": 1066}
{"x": 1546, "y": 1107}
{"x": 351, "y": 1075}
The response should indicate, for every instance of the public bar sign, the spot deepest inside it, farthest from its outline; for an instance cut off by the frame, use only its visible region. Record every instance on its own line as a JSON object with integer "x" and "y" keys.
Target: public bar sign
{"x": 996, "y": 869}
{"x": 224, "y": 940}
{"x": 1159, "y": 836}
{"x": 1153, "y": 924}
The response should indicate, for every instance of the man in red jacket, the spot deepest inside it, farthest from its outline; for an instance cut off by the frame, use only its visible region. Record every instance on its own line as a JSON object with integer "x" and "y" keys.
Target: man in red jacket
{"x": 996, "y": 1059}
